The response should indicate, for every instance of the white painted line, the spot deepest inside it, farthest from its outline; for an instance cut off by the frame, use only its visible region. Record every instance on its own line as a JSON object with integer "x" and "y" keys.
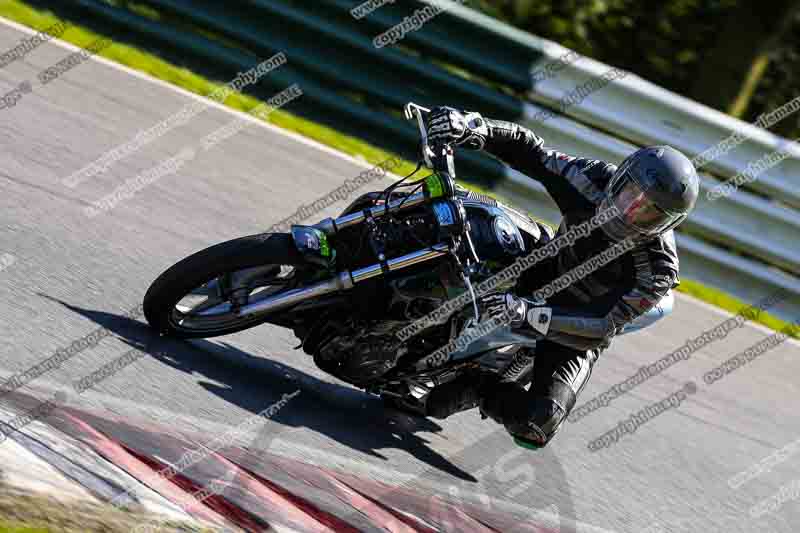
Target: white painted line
{"x": 211, "y": 103}
{"x": 277, "y": 528}
{"x": 25, "y": 470}
{"x": 72, "y": 460}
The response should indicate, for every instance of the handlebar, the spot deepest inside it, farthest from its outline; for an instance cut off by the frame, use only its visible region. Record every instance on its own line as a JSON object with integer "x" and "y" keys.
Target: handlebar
{"x": 439, "y": 158}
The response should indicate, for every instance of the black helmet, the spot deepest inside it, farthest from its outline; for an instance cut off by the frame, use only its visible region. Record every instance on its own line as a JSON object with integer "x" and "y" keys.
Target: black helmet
{"x": 654, "y": 189}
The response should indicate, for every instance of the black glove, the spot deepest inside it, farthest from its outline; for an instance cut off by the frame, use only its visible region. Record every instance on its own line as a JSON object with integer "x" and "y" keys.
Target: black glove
{"x": 523, "y": 313}
{"x": 450, "y": 126}
{"x": 497, "y": 304}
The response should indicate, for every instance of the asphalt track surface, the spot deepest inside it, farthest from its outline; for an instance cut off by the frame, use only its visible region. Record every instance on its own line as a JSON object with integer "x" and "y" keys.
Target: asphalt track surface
{"x": 72, "y": 274}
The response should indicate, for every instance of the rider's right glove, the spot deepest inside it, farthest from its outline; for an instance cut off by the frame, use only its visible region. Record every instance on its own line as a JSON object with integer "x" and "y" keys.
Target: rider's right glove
{"x": 522, "y": 313}
{"x": 449, "y": 126}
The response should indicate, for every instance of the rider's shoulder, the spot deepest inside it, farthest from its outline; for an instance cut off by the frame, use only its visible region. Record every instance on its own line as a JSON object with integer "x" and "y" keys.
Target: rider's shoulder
{"x": 597, "y": 169}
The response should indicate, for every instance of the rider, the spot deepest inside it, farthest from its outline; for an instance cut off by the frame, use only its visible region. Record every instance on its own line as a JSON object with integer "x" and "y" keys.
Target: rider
{"x": 653, "y": 189}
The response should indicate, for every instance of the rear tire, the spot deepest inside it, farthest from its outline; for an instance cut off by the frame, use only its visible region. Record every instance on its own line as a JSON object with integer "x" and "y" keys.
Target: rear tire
{"x": 199, "y": 268}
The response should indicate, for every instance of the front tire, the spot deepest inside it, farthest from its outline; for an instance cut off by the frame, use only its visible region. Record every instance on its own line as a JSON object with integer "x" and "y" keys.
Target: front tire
{"x": 203, "y": 268}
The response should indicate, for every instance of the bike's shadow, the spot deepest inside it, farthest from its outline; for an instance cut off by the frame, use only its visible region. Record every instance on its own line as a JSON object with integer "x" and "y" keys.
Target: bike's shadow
{"x": 349, "y": 416}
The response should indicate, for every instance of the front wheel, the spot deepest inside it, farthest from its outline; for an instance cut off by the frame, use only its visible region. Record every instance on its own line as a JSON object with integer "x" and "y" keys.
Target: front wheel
{"x": 198, "y": 296}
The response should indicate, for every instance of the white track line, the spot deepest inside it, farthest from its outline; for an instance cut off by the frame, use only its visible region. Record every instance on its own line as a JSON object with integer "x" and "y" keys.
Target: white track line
{"x": 210, "y": 103}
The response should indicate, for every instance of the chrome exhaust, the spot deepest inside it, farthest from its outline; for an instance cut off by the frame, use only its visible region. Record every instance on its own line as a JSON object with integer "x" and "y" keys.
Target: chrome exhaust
{"x": 341, "y": 282}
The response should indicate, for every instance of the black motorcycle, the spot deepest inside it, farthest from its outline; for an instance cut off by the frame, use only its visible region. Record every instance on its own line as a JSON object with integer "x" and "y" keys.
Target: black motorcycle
{"x": 347, "y": 286}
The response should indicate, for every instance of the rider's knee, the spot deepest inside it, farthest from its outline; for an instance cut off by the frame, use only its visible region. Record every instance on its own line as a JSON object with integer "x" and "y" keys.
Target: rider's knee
{"x": 666, "y": 304}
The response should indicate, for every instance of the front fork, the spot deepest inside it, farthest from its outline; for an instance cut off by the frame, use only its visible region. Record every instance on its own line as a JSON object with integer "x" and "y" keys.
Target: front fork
{"x": 347, "y": 279}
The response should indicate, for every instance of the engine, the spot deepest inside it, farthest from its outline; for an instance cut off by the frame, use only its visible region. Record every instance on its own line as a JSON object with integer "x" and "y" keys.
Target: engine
{"x": 362, "y": 346}
{"x": 362, "y": 354}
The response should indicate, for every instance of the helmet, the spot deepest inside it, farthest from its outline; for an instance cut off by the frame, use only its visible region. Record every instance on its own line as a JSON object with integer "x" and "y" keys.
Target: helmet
{"x": 654, "y": 189}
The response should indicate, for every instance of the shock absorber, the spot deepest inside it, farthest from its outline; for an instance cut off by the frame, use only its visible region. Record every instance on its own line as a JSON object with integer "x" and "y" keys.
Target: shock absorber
{"x": 521, "y": 362}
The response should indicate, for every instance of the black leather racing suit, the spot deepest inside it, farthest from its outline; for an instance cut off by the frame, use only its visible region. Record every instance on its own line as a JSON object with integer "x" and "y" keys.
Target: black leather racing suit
{"x": 588, "y": 313}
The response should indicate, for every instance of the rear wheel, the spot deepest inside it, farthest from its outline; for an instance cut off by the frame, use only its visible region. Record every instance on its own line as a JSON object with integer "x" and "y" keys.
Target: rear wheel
{"x": 198, "y": 296}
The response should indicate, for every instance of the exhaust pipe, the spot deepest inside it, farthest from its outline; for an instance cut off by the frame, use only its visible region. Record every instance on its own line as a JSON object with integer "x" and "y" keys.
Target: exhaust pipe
{"x": 341, "y": 282}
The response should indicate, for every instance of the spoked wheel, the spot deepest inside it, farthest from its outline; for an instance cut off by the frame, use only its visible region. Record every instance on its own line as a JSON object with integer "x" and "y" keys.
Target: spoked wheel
{"x": 199, "y": 296}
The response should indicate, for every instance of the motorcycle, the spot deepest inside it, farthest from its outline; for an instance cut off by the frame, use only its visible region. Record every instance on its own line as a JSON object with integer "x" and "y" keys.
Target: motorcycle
{"x": 347, "y": 286}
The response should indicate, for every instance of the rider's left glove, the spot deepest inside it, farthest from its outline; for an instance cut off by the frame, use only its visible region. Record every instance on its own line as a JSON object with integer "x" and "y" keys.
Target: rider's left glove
{"x": 447, "y": 125}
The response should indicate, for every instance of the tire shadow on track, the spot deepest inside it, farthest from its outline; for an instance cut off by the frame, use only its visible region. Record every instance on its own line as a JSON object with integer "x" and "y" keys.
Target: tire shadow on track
{"x": 348, "y": 416}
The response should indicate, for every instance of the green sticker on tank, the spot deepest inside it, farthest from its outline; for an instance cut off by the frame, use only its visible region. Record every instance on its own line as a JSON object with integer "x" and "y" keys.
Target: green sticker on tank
{"x": 324, "y": 247}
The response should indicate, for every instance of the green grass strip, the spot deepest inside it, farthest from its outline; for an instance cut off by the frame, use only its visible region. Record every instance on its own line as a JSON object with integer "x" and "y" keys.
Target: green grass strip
{"x": 9, "y": 528}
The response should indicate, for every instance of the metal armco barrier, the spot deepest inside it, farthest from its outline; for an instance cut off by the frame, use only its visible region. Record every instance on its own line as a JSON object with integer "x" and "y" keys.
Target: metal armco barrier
{"x": 744, "y": 244}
